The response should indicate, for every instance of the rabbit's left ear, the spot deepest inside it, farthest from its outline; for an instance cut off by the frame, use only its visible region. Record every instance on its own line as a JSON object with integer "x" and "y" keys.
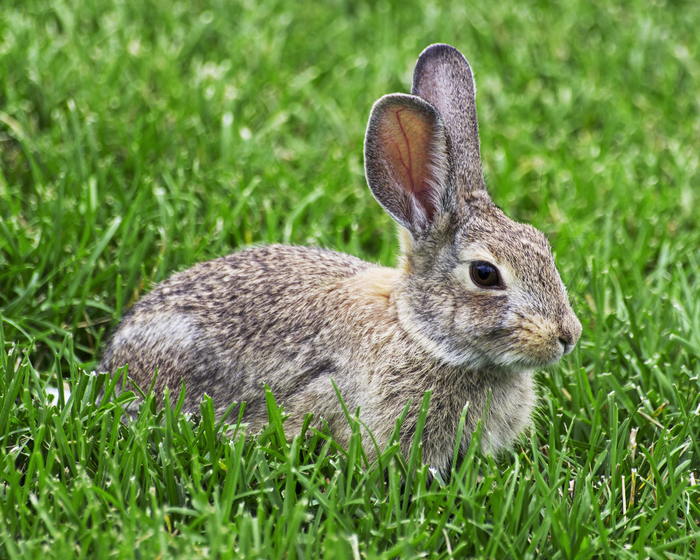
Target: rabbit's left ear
{"x": 406, "y": 161}
{"x": 444, "y": 79}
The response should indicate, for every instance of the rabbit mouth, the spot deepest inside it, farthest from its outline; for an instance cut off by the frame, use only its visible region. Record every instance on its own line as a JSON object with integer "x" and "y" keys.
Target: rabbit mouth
{"x": 521, "y": 350}
{"x": 519, "y": 362}
{"x": 541, "y": 357}
{"x": 507, "y": 358}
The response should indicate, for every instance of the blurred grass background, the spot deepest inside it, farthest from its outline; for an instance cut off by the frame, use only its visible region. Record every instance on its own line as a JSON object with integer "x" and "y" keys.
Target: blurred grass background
{"x": 137, "y": 138}
{"x": 140, "y": 138}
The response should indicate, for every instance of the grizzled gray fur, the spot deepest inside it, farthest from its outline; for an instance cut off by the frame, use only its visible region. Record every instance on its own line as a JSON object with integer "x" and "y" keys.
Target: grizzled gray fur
{"x": 475, "y": 304}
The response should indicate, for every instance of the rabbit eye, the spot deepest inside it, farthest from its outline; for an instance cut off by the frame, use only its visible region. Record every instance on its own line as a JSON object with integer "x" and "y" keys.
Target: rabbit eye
{"x": 484, "y": 274}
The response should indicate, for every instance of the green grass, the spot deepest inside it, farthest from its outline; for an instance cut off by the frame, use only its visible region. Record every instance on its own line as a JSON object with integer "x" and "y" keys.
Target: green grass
{"x": 140, "y": 137}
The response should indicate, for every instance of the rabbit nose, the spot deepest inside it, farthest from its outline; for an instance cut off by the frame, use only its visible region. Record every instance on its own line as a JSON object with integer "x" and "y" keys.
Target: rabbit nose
{"x": 570, "y": 332}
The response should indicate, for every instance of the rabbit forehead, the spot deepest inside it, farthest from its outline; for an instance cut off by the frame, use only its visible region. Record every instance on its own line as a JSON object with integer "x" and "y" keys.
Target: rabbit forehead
{"x": 508, "y": 241}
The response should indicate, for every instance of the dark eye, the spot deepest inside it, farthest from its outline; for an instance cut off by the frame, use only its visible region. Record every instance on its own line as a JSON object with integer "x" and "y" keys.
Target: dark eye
{"x": 484, "y": 274}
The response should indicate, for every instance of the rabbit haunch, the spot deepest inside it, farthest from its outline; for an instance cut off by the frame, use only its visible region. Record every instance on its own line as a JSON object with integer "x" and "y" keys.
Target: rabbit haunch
{"x": 295, "y": 318}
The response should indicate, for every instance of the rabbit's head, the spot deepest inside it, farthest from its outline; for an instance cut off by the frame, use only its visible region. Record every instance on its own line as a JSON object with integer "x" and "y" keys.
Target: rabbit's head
{"x": 477, "y": 288}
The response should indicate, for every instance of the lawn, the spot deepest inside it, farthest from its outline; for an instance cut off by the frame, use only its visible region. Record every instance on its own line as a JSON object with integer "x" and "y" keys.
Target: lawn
{"x": 140, "y": 137}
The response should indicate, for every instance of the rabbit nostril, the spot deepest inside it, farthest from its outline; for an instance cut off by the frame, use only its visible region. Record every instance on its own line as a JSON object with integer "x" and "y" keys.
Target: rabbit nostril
{"x": 566, "y": 344}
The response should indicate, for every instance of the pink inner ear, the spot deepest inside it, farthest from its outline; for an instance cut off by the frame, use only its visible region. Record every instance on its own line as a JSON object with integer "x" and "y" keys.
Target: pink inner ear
{"x": 407, "y": 136}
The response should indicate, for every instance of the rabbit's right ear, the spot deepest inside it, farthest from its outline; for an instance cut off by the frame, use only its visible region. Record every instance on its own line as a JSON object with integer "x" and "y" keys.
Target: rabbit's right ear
{"x": 406, "y": 160}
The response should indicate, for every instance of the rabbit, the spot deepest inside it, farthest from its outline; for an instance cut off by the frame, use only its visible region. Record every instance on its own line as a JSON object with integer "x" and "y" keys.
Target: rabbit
{"x": 474, "y": 305}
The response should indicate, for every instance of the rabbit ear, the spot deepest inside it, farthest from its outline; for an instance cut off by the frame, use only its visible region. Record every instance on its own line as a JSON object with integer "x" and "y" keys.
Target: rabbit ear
{"x": 406, "y": 160}
{"x": 444, "y": 79}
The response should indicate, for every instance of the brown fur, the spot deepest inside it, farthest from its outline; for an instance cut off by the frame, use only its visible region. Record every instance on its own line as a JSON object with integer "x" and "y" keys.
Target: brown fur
{"x": 295, "y": 318}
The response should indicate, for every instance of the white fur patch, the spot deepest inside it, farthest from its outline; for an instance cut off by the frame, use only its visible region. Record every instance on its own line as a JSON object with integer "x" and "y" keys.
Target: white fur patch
{"x": 165, "y": 333}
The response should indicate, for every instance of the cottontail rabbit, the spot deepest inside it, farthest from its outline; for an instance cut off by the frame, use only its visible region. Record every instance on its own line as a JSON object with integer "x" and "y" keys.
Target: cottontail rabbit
{"x": 475, "y": 304}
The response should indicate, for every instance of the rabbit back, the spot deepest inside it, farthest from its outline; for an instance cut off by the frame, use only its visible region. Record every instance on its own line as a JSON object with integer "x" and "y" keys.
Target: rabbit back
{"x": 229, "y": 325}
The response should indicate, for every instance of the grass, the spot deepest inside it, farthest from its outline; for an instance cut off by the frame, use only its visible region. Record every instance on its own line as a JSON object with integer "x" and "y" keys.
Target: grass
{"x": 137, "y": 138}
